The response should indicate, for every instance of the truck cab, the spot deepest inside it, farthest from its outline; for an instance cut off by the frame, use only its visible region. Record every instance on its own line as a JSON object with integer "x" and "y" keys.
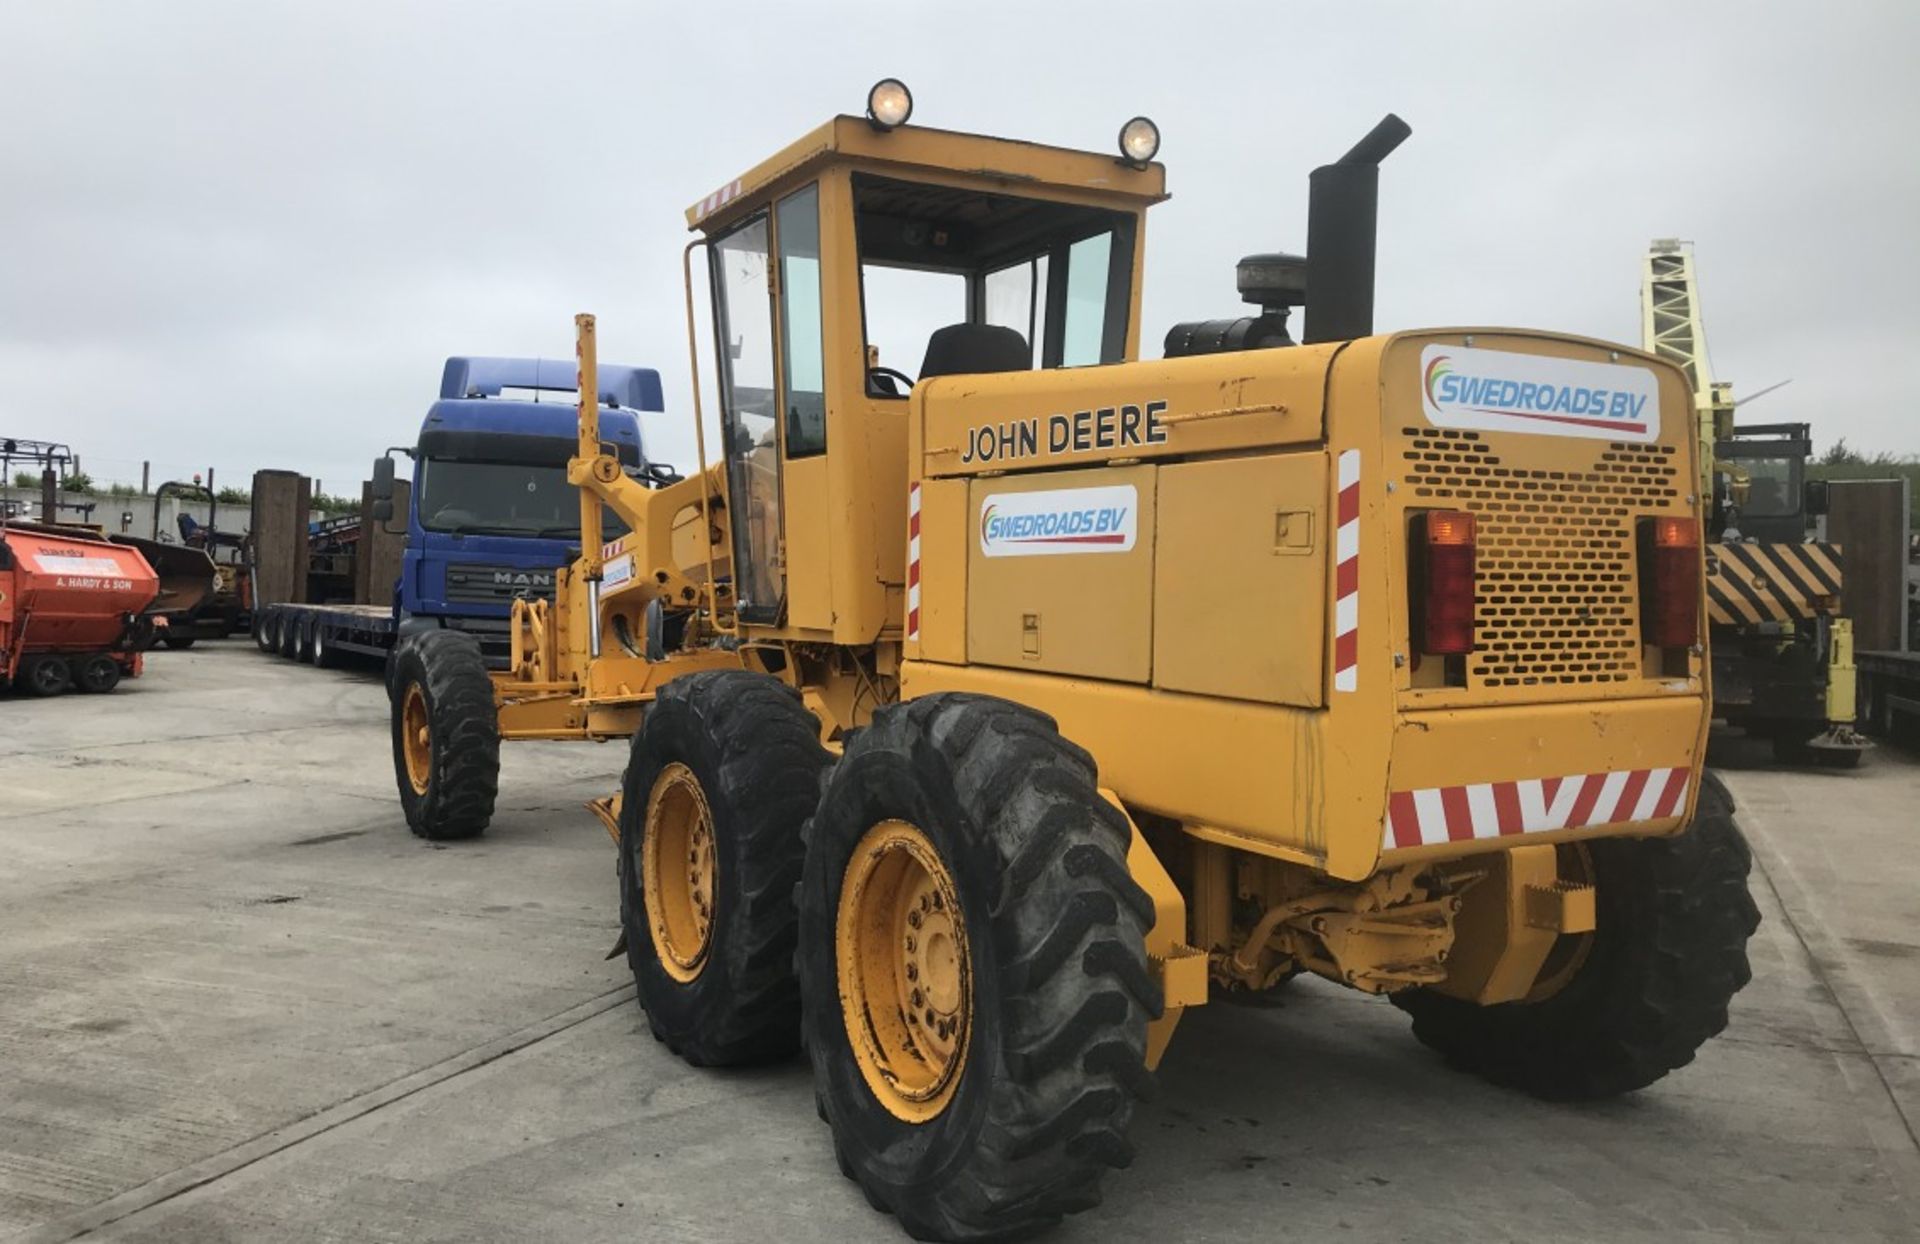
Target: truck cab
{"x": 1762, "y": 492}
{"x": 491, "y": 512}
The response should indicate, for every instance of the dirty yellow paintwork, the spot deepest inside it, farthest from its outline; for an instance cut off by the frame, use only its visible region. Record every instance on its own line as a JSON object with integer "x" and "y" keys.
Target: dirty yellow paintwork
{"x": 1196, "y": 663}
{"x": 1182, "y": 968}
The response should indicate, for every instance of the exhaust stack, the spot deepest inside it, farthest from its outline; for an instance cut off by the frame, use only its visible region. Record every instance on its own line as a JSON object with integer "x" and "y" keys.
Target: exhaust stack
{"x": 1342, "y": 204}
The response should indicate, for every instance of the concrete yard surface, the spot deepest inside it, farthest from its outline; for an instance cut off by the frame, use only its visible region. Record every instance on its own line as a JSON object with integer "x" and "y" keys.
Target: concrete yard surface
{"x": 239, "y": 1001}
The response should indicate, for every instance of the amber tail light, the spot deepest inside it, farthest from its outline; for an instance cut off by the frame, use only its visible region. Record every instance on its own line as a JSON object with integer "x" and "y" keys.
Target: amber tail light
{"x": 1443, "y": 546}
{"x": 1669, "y": 581}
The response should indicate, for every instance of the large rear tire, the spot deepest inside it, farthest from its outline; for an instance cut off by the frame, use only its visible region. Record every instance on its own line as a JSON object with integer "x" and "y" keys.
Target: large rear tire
{"x": 725, "y": 770}
{"x": 973, "y": 965}
{"x": 1668, "y": 953}
{"x": 446, "y": 735}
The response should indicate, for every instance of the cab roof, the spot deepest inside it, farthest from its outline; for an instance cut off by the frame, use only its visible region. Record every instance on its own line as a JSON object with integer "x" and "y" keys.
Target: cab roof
{"x": 472, "y": 376}
{"x": 1005, "y": 161}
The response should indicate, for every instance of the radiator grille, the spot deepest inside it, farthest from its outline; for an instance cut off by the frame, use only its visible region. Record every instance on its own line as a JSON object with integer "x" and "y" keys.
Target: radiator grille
{"x": 476, "y": 584}
{"x": 1557, "y": 598}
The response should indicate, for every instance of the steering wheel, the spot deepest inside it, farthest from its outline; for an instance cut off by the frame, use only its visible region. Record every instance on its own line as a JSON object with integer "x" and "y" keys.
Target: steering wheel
{"x": 905, "y": 382}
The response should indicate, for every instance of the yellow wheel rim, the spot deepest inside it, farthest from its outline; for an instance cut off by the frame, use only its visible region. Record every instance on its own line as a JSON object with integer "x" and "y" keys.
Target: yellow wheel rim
{"x": 416, "y": 739}
{"x": 677, "y": 869}
{"x": 906, "y": 987}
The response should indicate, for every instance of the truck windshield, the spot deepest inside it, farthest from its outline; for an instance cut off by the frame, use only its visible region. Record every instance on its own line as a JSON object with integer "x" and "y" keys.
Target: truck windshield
{"x": 1773, "y": 487}
{"x": 502, "y": 499}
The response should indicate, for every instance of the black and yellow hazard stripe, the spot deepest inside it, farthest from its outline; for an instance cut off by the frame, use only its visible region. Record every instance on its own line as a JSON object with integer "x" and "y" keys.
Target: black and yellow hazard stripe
{"x": 1762, "y": 582}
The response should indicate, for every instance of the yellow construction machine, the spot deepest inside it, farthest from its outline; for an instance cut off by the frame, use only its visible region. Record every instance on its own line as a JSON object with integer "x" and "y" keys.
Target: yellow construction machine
{"x": 1782, "y": 650}
{"x": 985, "y": 718}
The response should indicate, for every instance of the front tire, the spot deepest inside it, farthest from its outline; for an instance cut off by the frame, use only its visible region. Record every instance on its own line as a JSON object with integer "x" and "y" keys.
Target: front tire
{"x": 1668, "y": 953}
{"x": 446, "y": 736}
{"x": 725, "y": 770}
{"x": 991, "y": 1102}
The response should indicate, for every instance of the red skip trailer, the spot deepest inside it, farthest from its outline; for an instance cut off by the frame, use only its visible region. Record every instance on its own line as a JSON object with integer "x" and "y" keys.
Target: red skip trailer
{"x": 72, "y": 610}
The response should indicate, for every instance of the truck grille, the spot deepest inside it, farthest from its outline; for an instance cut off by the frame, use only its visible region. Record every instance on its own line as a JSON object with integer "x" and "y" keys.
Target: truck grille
{"x": 472, "y": 584}
{"x": 1558, "y": 598}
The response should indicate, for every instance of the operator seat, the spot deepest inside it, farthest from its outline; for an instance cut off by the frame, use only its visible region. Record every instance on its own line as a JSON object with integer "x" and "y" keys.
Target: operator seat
{"x": 970, "y": 349}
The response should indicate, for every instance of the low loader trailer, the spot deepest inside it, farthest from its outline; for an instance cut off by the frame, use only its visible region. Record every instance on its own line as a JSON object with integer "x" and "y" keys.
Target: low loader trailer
{"x": 984, "y": 718}
{"x": 324, "y": 634}
{"x": 489, "y": 514}
{"x": 1890, "y": 691}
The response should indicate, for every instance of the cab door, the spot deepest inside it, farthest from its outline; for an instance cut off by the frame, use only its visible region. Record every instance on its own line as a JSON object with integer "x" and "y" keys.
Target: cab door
{"x": 766, "y": 297}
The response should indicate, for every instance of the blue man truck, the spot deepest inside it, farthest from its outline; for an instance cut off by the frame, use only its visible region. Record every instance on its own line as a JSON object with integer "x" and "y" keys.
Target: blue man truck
{"x": 490, "y": 514}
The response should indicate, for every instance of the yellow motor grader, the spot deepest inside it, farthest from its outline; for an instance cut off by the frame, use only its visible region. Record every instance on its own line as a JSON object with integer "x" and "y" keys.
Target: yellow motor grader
{"x": 985, "y": 717}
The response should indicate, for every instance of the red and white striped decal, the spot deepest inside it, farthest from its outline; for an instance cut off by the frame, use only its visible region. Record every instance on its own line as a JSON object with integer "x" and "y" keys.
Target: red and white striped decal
{"x": 913, "y": 561}
{"x": 1346, "y": 575}
{"x": 1441, "y": 814}
{"x": 719, "y": 198}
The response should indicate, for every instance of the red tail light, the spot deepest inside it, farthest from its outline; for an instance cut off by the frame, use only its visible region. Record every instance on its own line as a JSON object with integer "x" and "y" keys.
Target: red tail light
{"x": 1669, "y": 582}
{"x": 1445, "y": 541}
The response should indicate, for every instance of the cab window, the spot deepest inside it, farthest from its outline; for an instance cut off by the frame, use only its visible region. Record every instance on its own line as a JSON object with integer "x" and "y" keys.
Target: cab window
{"x": 749, "y": 412}
{"x": 1016, "y": 298}
{"x": 1082, "y": 337}
{"x": 797, "y": 221}
{"x": 933, "y": 257}
{"x": 1773, "y": 487}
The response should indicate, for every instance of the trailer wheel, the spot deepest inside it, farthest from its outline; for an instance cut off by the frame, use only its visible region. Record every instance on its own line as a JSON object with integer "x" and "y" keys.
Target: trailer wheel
{"x": 99, "y": 673}
{"x": 287, "y": 633}
{"x": 974, "y": 971}
{"x": 446, "y": 735}
{"x": 1667, "y": 955}
{"x": 303, "y": 638}
{"x": 724, "y": 771}
{"x": 323, "y": 653}
{"x": 46, "y": 674}
{"x": 264, "y": 636}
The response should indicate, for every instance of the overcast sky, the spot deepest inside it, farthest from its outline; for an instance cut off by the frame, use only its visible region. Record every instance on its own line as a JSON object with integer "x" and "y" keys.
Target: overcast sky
{"x": 247, "y": 234}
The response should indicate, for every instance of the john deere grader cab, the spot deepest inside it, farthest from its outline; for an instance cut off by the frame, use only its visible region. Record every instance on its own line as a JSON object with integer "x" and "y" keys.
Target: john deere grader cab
{"x": 986, "y": 716}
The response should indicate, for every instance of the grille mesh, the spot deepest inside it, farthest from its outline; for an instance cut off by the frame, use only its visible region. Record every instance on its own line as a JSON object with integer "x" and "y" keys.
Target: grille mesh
{"x": 1557, "y": 600}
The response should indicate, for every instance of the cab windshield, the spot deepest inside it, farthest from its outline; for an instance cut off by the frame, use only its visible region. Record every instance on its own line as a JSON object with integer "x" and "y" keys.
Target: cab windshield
{"x": 1773, "y": 487}
{"x": 477, "y": 497}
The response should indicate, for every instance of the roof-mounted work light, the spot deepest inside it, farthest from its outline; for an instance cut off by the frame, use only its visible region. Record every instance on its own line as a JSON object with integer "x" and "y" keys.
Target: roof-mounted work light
{"x": 889, "y": 104}
{"x": 1139, "y": 142}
